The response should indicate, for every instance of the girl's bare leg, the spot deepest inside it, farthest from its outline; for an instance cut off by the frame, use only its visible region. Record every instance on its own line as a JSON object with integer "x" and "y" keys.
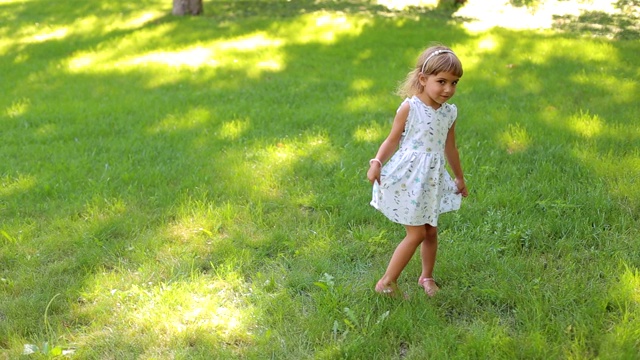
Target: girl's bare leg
{"x": 401, "y": 256}
{"x": 428, "y": 251}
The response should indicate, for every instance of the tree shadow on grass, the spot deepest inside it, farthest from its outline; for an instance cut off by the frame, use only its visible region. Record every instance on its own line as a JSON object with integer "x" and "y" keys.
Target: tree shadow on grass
{"x": 600, "y": 24}
{"x": 242, "y": 10}
{"x": 623, "y": 25}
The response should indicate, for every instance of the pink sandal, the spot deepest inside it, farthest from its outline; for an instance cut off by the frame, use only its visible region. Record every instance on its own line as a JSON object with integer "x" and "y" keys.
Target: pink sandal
{"x": 429, "y": 285}
{"x": 390, "y": 290}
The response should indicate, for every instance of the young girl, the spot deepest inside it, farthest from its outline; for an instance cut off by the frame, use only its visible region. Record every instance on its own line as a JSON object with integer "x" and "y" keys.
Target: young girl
{"x": 414, "y": 187}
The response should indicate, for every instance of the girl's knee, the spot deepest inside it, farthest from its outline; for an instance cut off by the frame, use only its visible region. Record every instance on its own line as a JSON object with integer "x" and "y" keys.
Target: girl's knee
{"x": 430, "y": 233}
{"x": 416, "y": 233}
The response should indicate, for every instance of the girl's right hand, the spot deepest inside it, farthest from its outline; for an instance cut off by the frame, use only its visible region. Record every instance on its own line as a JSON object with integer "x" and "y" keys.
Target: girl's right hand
{"x": 374, "y": 172}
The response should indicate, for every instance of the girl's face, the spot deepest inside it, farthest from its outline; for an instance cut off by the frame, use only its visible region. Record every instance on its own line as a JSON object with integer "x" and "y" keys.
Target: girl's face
{"x": 438, "y": 88}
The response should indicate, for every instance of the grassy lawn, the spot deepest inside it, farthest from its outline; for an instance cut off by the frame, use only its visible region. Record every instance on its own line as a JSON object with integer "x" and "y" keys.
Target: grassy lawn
{"x": 194, "y": 188}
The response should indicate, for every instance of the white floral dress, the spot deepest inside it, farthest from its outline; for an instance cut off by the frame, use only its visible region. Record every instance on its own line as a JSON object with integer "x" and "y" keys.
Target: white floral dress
{"x": 415, "y": 187}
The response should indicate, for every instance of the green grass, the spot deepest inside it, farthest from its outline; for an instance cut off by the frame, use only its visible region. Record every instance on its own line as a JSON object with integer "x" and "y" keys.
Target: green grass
{"x": 179, "y": 188}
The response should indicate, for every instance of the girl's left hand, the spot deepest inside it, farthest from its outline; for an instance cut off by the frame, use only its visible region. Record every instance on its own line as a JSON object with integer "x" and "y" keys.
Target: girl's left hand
{"x": 462, "y": 187}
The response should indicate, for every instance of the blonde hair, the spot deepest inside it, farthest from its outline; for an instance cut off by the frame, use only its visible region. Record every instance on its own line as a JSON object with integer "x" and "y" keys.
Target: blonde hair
{"x": 432, "y": 63}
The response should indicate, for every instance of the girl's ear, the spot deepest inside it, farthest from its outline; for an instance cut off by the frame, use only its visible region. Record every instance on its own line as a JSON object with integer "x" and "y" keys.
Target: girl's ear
{"x": 422, "y": 78}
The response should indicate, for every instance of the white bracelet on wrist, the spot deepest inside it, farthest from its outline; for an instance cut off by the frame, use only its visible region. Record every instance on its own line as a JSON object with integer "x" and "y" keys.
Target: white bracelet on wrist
{"x": 376, "y": 160}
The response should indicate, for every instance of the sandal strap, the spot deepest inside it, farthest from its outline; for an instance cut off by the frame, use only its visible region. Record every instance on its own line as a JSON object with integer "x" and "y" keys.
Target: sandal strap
{"x": 430, "y": 289}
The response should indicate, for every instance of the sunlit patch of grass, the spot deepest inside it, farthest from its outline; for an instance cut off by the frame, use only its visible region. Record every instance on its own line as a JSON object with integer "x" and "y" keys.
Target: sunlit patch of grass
{"x": 12, "y": 185}
{"x": 253, "y": 42}
{"x": 488, "y": 43}
{"x": 194, "y": 57}
{"x": 104, "y": 19}
{"x": 628, "y": 290}
{"x": 106, "y": 58}
{"x": 471, "y": 58}
{"x": 233, "y": 129}
{"x": 326, "y": 28}
{"x": 361, "y": 102}
{"x": 624, "y": 302}
{"x": 256, "y": 53}
{"x": 586, "y": 125}
{"x": 219, "y": 53}
{"x": 361, "y": 84}
{"x": 138, "y": 19}
{"x": 39, "y": 33}
{"x": 516, "y": 139}
{"x": 166, "y": 314}
{"x": 51, "y": 34}
{"x": 283, "y": 154}
{"x": 370, "y": 133}
{"x": 18, "y": 107}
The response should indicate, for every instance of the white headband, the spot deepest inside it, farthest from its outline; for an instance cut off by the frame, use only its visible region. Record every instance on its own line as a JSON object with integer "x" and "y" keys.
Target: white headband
{"x": 437, "y": 52}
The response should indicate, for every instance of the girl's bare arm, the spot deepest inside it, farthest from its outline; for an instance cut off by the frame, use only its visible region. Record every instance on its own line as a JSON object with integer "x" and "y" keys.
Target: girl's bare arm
{"x": 390, "y": 144}
{"x": 453, "y": 158}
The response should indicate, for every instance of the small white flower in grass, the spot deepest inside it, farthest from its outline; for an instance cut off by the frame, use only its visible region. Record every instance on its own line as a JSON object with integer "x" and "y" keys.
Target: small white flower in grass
{"x": 29, "y": 349}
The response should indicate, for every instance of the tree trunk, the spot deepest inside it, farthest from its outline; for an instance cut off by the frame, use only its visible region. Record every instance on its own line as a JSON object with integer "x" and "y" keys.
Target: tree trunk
{"x": 187, "y": 7}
